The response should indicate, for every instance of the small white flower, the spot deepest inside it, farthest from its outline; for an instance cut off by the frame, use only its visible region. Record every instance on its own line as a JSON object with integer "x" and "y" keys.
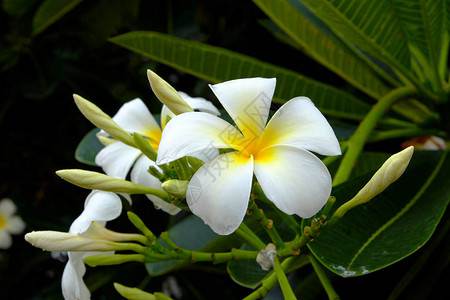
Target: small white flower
{"x": 9, "y": 223}
{"x": 293, "y": 178}
{"x": 99, "y": 207}
{"x": 117, "y": 158}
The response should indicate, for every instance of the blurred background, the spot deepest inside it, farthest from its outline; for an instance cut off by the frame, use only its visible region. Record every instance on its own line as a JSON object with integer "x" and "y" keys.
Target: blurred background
{"x": 41, "y": 128}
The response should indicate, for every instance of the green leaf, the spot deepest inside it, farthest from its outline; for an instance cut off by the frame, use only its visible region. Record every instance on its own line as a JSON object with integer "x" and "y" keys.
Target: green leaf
{"x": 372, "y": 26}
{"x": 51, "y": 11}
{"x": 391, "y": 226}
{"x": 88, "y": 148}
{"x": 329, "y": 51}
{"x": 247, "y": 273}
{"x": 216, "y": 64}
{"x": 191, "y": 233}
{"x": 423, "y": 23}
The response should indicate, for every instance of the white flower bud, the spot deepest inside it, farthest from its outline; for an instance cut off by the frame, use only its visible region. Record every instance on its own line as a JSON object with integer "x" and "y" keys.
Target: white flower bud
{"x": 389, "y": 172}
{"x": 97, "y": 117}
{"x": 167, "y": 94}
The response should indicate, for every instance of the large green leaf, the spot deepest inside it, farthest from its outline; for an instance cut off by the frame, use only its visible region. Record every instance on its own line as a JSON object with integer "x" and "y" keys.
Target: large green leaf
{"x": 424, "y": 24}
{"x": 216, "y": 64}
{"x": 191, "y": 233}
{"x": 372, "y": 26}
{"x": 51, "y": 11}
{"x": 393, "y": 225}
{"x": 330, "y": 52}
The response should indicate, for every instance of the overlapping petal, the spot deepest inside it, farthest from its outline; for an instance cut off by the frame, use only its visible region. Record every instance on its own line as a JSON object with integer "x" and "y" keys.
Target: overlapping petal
{"x": 196, "y": 131}
{"x": 99, "y": 206}
{"x": 197, "y": 104}
{"x": 116, "y": 159}
{"x": 219, "y": 191}
{"x": 299, "y": 123}
{"x": 134, "y": 116}
{"x": 247, "y": 101}
{"x": 140, "y": 175}
{"x": 295, "y": 180}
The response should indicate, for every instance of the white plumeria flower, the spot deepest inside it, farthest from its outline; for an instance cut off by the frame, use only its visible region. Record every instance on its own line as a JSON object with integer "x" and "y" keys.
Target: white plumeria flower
{"x": 100, "y": 207}
{"x": 293, "y": 178}
{"x": 9, "y": 223}
{"x": 117, "y": 158}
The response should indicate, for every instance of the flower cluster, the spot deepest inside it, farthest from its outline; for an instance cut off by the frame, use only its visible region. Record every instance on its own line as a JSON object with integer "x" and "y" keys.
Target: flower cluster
{"x": 196, "y": 155}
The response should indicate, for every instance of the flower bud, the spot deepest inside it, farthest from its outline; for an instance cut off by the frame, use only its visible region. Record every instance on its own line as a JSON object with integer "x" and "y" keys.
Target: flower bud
{"x": 167, "y": 94}
{"x": 102, "y": 120}
{"x": 64, "y": 242}
{"x": 177, "y": 188}
{"x": 98, "y": 181}
{"x": 389, "y": 172}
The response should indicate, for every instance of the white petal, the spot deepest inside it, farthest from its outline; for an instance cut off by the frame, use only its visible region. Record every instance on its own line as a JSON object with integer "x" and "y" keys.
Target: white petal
{"x": 141, "y": 176}
{"x": 191, "y": 132}
{"x": 7, "y": 207}
{"x": 295, "y": 180}
{"x": 219, "y": 191}
{"x": 200, "y": 104}
{"x": 99, "y": 206}
{"x": 134, "y": 116}
{"x": 299, "y": 123}
{"x": 166, "y": 115}
{"x": 15, "y": 225}
{"x": 116, "y": 159}
{"x": 5, "y": 239}
{"x": 72, "y": 284}
{"x": 247, "y": 101}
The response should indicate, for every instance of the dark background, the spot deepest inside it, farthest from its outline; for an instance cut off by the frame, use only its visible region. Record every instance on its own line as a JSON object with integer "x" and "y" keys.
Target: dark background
{"x": 41, "y": 128}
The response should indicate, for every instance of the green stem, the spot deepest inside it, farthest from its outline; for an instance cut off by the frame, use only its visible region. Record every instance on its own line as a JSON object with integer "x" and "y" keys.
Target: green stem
{"x": 331, "y": 159}
{"x": 248, "y": 236}
{"x": 320, "y": 272}
{"x": 359, "y": 138}
{"x": 286, "y": 288}
{"x": 182, "y": 169}
{"x": 290, "y": 220}
{"x": 266, "y": 223}
{"x": 115, "y": 259}
{"x": 198, "y": 256}
{"x": 400, "y": 133}
{"x": 269, "y": 282}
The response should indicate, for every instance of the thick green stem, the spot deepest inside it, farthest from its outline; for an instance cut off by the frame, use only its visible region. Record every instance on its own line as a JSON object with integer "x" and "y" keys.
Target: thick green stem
{"x": 286, "y": 288}
{"x": 248, "y": 236}
{"x": 359, "y": 138}
{"x": 320, "y": 272}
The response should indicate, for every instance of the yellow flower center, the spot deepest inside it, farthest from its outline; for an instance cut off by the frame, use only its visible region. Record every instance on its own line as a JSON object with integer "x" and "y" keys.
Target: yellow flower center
{"x": 2, "y": 222}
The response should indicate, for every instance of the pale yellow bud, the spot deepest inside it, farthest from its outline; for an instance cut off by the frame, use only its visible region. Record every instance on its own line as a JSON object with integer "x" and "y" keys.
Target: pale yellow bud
{"x": 389, "y": 172}
{"x": 177, "y": 188}
{"x": 99, "y": 181}
{"x": 167, "y": 94}
{"x": 97, "y": 117}
{"x": 63, "y": 242}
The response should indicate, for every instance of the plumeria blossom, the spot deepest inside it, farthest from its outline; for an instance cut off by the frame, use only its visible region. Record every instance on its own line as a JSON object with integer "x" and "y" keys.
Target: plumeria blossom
{"x": 293, "y": 178}
{"x": 118, "y": 158}
{"x": 9, "y": 223}
{"x": 99, "y": 207}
